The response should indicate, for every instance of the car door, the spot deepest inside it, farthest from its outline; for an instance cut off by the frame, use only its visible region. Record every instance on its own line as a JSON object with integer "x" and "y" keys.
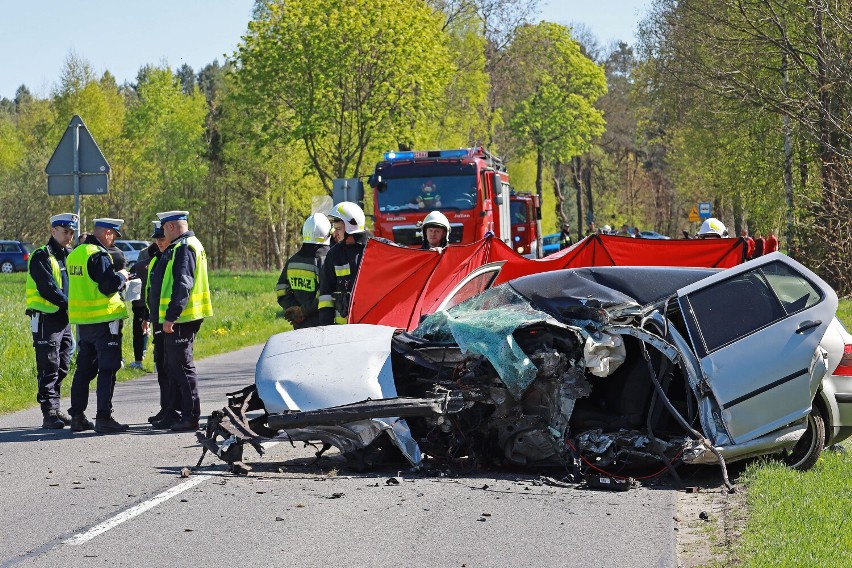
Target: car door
{"x": 755, "y": 329}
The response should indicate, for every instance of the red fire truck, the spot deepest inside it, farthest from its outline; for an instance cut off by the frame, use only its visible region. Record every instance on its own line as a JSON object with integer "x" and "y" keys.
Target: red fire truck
{"x": 525, "y": 213}
{"x": 470, "y": 186}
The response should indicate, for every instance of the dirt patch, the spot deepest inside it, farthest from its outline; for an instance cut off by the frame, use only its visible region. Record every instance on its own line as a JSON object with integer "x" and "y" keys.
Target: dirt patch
{"x": 709, "y": 520}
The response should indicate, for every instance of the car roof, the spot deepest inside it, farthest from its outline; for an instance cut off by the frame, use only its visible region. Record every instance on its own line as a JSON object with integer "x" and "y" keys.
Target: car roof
{"x": 610, "y": 285}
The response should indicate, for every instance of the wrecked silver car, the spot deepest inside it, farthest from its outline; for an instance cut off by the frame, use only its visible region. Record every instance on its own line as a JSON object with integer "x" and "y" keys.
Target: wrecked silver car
{"x": 611, "y": 368}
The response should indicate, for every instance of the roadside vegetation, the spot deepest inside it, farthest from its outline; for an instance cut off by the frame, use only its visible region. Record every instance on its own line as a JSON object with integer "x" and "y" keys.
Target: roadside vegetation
{"x": 244, "y": 313}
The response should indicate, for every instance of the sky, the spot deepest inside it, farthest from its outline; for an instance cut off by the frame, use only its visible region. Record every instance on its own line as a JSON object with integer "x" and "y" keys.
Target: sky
{"x": 121, "y": 36}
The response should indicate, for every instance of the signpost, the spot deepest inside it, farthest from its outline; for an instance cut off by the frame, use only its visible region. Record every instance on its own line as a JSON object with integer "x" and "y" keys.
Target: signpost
{"x": 705, "y": 209}
{"x": 77, "y": 166}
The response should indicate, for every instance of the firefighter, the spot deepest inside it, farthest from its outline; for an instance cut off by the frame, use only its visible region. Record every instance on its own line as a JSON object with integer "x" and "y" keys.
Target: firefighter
{"x": 712, "y": 228}
{"x": 47, "y": 306}
{"x": 96, "y": 306}
{"x": 180, "y": 292}
{"x": 565, "y": 240}
{"x": 337, "y": 278}
{"x": 436, "y": 231}
{"x": 298, "y": 285}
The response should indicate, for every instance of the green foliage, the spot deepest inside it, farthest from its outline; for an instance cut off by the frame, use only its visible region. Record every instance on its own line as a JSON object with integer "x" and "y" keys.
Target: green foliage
{"x": 343, "y": 76}
{"x": 551, "y": 94}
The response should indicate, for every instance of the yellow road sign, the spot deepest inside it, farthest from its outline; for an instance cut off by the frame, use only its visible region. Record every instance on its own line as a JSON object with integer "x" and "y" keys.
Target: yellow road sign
{"x": 694, "y": 217}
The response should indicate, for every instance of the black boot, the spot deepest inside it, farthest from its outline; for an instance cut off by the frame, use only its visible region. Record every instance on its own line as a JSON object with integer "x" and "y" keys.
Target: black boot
{"x": 79, "y": 423}
{"x": 52, "y": 421}
{"x": 109, "y": 425}
{"x": 64, "y": 417}
{"x": 157, "y": 417}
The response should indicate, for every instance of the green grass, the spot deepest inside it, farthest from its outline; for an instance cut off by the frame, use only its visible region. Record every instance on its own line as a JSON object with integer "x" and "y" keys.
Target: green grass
{"x": 798, "y": 518}
{"x": 244, "y": 313}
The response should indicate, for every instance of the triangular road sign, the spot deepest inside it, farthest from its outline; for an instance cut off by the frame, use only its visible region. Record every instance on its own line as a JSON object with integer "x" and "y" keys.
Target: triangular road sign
{"x": 91, "y": 160}
{"x": 694, "y": 217}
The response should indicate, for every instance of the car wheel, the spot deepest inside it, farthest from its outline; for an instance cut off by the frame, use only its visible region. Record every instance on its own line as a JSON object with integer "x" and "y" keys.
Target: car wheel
{"x": 7, "y": 267}
{"x": 806, "y": 452}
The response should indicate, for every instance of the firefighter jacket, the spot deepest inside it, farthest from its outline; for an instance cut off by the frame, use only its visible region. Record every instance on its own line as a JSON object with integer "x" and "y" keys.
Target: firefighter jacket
{"x": 94, "y": 285}
{"x": 298, "y": 284}
{"x": 337, "y": 279}
{"x": 178, "y": 288}
{"x": 47, "y": 279}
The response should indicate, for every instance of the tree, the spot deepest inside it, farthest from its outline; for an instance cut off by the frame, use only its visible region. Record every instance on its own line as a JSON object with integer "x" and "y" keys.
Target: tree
{"x": 343, "y": 76}
{"x": 552, "y": 95}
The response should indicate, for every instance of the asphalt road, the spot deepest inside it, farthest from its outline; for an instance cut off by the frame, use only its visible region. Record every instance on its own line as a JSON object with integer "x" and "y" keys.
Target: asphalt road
{"x": 85, "y": 499}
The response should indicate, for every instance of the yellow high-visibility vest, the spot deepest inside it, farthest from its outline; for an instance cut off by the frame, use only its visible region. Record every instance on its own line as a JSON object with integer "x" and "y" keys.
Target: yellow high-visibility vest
{"x": 86, "y": 304}
{"x": 34, "y": 299}
{"x": 199, "y": 304}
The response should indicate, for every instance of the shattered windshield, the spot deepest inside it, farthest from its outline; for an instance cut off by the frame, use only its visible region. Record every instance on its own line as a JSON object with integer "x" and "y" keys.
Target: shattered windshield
{"x": 484, "y": 325}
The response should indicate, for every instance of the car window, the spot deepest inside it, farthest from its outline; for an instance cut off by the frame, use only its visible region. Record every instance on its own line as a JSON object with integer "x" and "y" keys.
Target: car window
{"x": 796, "y": 293}
{"x": 28, "y": 247}
{"x": 139, "y": 245}
{"x": 475, "y": 286}
{"x": 551, "y": 239}
{"x": 123, "y": 246}
{"x": 734, "y": 308}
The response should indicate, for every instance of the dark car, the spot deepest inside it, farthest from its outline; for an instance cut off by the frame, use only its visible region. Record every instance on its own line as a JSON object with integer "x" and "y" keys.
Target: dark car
{"x": 14, "y": 256}
{"x": 619, "y": 367}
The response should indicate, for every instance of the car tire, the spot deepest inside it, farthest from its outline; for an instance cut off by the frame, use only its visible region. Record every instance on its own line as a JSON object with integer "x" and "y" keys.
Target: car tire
{"x": 807, "y": 450}
{"x": 7, "y": 267}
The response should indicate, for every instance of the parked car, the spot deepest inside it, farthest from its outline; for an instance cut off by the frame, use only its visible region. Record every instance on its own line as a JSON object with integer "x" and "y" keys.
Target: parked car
{"x": 620, "y": 367}
{"x": 550, "y": 243}
{"x": 131, "y": 249}
{"x": 14, "y": 256}
{"x": 652, "y": 235}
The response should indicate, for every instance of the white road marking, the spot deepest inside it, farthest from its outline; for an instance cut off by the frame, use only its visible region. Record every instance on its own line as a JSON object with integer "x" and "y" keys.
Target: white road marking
{"x": 134, "y": 511}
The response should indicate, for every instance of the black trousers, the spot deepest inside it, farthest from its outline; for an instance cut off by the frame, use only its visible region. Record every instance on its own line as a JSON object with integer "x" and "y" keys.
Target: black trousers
{"x": 98, "y": 355}
{"x": 169, "y": 393}
{"x": 179, "y": 365}
{"x": 140, "y": 340}
{"x": 52, "y": 341}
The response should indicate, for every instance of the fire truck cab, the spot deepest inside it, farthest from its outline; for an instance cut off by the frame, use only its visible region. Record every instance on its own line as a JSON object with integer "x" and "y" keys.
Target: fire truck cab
{"x": 525, "y": 214}
{"x": 469, "y": 185}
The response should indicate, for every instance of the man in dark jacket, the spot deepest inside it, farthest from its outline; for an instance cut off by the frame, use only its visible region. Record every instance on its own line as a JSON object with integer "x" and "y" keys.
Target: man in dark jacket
{"x": 47, "y": 306}
{"x": 96, "y": 306}
{"x": 298, "y": 285}
{"x": 342, "y": 263}
{"x": 179, "y": 299}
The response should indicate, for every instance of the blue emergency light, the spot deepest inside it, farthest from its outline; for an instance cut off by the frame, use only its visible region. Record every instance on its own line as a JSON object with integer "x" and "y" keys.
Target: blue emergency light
{"x": 415, "y": 154}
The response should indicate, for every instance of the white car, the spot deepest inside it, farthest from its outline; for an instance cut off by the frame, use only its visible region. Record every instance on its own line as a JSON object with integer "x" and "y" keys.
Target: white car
{"x": 131, "y": 249}
{"x": 621, "y": 367}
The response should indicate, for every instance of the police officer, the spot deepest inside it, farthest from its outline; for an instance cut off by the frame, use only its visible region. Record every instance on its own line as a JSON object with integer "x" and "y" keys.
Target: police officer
{"x": 342, "y": 262}
{"x": 47, "y": 306}
{"x": 180, "y": 292}
{"x": 298, "y": 285}
{"x": 96, "y": 306}
{"x": 169, "y": 397}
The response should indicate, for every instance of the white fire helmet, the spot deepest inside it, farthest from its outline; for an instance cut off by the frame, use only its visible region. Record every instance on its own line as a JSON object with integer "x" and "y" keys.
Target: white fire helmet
{"x": 711, "y": 228}
{"x": 351, "y": 215}
{"x": 317, "y": 230}
{"x": 437, "y": 219}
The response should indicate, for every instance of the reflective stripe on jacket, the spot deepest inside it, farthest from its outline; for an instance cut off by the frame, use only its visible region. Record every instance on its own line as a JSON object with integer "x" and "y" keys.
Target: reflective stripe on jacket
{"x": 86, "y": 303}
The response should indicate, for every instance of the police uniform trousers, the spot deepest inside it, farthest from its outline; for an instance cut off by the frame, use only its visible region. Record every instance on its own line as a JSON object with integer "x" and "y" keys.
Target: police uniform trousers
{"x": 98, "y": 355}
{"x": 169, "y": 394}
{"x": 53, "y": 345}
{"x": 140, "y": 340}
{"x": 179, "y": 365}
